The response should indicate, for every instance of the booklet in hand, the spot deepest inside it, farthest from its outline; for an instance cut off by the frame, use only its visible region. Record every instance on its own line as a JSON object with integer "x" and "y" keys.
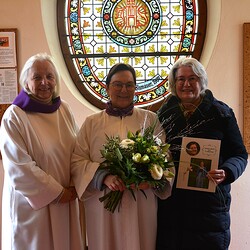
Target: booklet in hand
{"x": 198, "y": 157}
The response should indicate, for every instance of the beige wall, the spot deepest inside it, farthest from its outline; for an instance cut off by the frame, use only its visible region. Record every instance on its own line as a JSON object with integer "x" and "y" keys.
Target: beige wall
{"x": 222, "y": 58}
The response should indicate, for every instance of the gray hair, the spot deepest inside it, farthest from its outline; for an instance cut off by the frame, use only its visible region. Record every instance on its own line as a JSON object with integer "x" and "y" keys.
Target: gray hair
{"x": 23, "y": 79}
{"x": 197, "y": 68}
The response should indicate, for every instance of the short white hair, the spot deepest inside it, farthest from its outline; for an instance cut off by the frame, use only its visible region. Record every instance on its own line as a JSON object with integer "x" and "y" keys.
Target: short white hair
{"x": 197, "y": 68}
{"x": 29, "y": 64}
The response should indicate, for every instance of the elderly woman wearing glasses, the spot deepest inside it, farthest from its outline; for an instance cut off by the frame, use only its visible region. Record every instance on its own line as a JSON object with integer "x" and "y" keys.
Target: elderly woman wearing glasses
{"x": 134, "y": 225}
{"x": 199, "y": 220}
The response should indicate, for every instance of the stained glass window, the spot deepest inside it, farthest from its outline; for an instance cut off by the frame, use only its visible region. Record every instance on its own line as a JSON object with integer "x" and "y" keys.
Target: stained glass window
{"x": 150, "y": 35}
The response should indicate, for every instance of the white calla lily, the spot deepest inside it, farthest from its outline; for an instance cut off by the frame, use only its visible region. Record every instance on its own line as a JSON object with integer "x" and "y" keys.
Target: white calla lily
{"x": 156, "y": 171}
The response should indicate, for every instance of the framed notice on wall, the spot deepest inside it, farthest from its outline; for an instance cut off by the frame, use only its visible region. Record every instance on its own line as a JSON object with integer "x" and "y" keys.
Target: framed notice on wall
{"x": 8, "y": 69}
{"x": 8, "y": 58}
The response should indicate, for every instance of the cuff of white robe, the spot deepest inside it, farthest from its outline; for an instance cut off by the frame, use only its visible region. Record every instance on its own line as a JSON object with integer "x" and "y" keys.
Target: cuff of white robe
{"x": 45, "y": 196}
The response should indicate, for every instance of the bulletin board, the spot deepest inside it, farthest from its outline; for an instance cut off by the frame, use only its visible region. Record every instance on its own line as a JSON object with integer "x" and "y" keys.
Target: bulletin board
{"x": 246, "y": 85}
{"x": 8, "y": 69}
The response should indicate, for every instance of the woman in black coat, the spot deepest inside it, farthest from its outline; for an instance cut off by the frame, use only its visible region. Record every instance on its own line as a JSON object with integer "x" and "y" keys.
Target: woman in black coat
{"x": 191, "y": 219}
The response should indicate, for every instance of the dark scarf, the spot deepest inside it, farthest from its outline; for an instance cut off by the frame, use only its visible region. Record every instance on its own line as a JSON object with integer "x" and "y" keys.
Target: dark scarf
{"x": 110, "y": 110}
{"x": 26, "y": 103}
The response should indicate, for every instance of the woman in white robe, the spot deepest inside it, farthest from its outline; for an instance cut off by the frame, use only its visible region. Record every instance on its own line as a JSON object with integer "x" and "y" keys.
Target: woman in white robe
{"x": 38, "y": 131}
{"x": 134, "y": 226}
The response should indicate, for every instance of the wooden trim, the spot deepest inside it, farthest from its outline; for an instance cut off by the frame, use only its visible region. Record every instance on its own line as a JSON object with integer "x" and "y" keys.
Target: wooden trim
{"x": 246, "y": 85}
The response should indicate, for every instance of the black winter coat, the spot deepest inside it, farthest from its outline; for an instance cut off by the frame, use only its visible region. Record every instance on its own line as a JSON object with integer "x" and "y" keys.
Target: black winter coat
{"x": 192, "y": 219}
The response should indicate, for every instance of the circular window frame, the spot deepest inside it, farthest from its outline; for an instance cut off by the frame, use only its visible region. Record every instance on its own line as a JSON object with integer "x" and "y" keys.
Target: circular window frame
{"x": 83, "y": 89}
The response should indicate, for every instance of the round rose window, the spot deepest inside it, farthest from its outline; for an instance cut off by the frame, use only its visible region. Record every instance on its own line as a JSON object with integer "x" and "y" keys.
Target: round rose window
{"x": 149, "y": 35}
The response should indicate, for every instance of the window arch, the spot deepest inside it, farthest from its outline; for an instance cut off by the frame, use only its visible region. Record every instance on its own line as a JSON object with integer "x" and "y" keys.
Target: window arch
{"x": 148, "y": 34}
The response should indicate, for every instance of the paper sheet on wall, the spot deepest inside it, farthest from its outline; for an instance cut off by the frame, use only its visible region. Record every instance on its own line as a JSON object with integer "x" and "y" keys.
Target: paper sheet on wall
{"x": 8, "y": 85}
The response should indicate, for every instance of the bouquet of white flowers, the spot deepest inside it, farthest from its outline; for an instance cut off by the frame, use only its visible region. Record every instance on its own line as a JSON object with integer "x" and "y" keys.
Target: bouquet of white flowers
{"x": 140, "y": 158}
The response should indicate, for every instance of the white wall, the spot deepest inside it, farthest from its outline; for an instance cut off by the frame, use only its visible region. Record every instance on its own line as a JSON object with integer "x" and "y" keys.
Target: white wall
{"x": 225, "y": 71}
{"x": 223, "y": 59}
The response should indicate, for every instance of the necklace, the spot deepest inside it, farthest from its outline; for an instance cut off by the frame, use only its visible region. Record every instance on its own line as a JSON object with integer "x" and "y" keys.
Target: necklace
{"x": 187, "y": 113}
{"x": 189, "y": 109}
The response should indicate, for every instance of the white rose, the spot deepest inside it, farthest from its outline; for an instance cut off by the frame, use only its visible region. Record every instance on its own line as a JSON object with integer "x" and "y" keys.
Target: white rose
{"x": 126, "y": 143}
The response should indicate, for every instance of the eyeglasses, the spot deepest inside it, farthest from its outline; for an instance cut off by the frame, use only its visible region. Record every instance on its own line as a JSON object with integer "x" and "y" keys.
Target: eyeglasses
{"x": 119, "y": 86}
{"x": 191, "y": 80}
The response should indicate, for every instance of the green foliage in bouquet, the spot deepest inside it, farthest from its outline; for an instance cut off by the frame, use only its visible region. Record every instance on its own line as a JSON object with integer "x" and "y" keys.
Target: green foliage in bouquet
{"x": 139, "y": 158}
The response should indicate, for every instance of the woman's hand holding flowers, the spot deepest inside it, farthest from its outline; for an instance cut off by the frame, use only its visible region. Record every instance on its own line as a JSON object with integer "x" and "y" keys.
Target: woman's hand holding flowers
{"x": 114, "y": 183}
{"x": 138, "y": 162}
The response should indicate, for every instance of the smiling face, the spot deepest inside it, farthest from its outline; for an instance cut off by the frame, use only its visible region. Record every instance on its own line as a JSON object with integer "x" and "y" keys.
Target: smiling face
{"x": 193, "y": 150}
{"x": 121, "y": 89}
{"x": 41, "y": 81}
{"x": 188, "y": 87}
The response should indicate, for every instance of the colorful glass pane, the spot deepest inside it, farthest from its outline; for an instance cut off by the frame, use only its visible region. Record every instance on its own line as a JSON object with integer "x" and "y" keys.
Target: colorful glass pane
{"x": 148, "y": 34}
